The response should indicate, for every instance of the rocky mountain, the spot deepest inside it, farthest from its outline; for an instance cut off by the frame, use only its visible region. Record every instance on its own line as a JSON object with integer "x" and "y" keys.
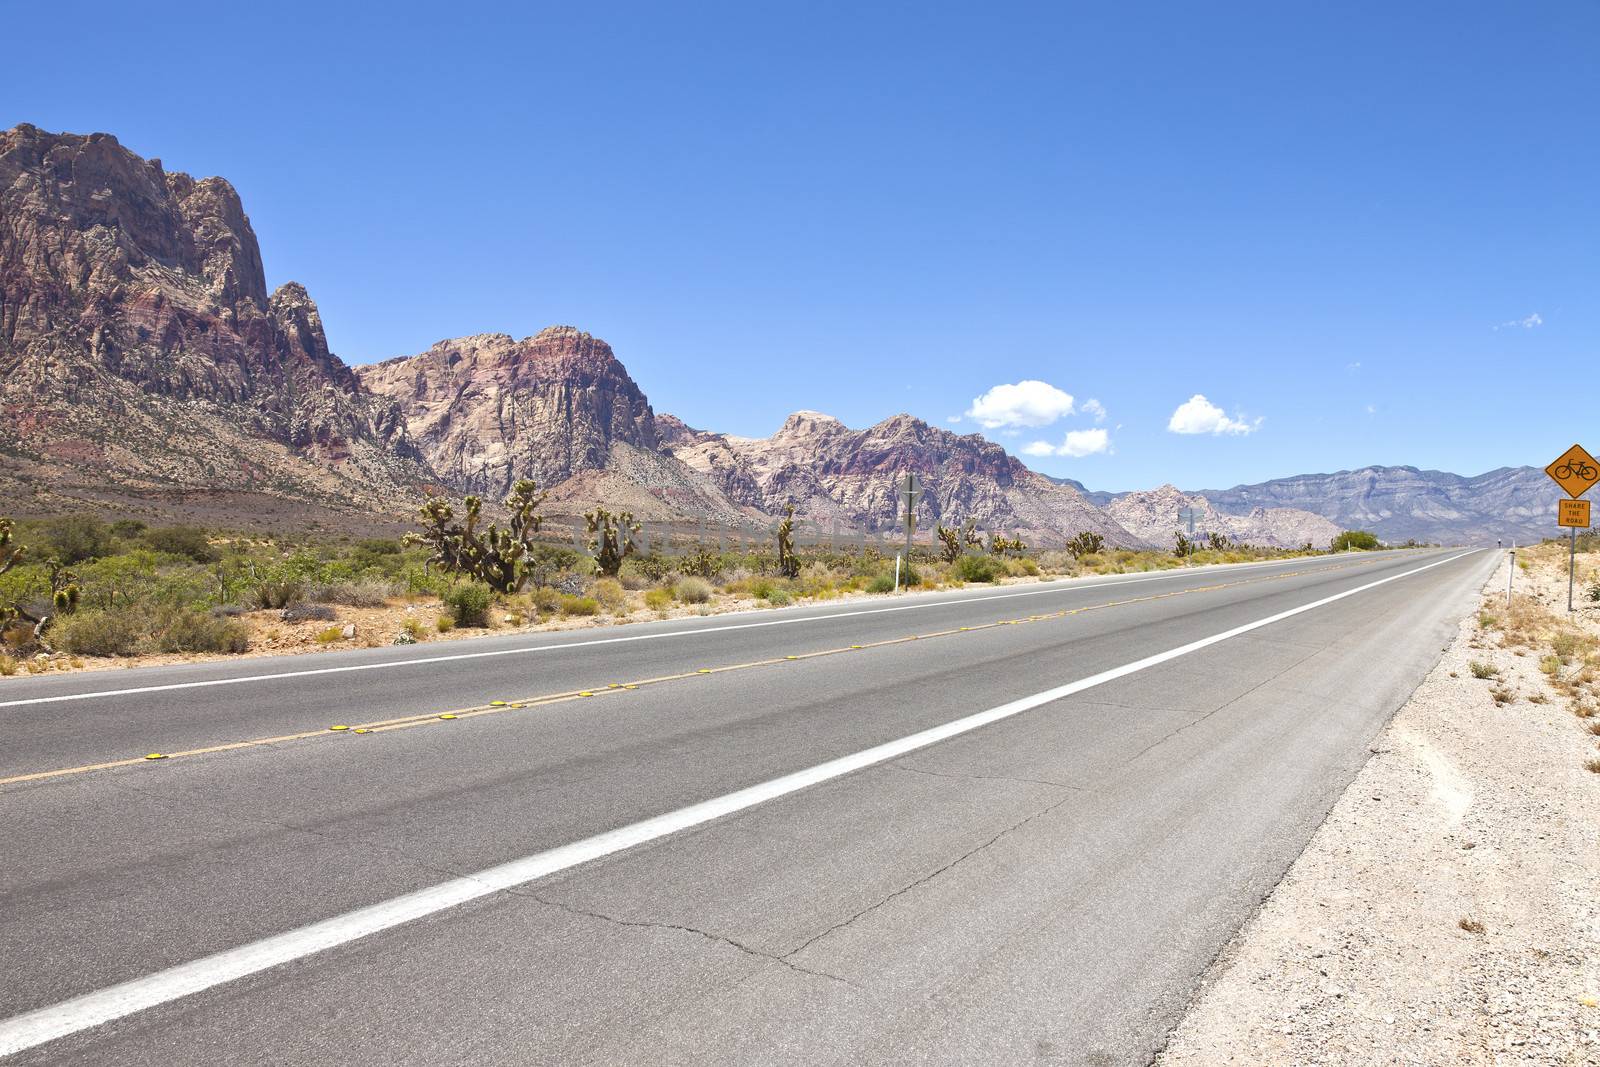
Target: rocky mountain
{"x": 557, "y": 407}
{"x": 1398, "y": 503}
{"x": 835, "y": 475}
{"x": 1154, "y": 515}
{"x": 139, "y": 346}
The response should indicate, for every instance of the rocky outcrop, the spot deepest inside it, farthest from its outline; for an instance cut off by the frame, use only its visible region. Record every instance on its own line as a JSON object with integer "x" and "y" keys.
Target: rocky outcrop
{"x": 1398, "y": 503}
{"x": 557, "y": 407}
{"x": 836, "y": 475}
{"x": 1157, "y": 515}
{"x": 139, "y": 345}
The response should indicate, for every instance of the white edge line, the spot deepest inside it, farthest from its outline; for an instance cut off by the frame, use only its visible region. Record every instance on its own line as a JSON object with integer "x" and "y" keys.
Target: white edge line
{"x": 1054, "y": 587}
{"x": 114, "y": 1002}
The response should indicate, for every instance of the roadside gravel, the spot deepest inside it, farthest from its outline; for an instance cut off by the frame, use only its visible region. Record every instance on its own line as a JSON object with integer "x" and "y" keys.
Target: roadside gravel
{"x": 1448, "y": 909}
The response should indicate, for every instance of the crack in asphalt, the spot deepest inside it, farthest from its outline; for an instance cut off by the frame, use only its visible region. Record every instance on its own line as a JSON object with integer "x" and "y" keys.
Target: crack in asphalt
{"x": 651, "y": 925}
{"x": 1175, "y": 731}
{"x": 925, "y": 879}
{"x": 985, "y": 777}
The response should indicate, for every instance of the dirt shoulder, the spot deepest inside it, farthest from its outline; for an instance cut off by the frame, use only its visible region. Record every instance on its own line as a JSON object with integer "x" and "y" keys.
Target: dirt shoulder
{"x": 1448, "y": 909}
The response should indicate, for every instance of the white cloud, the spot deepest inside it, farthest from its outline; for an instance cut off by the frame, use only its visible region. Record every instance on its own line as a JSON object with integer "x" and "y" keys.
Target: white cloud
{"x": 1372, "y": 409}
{"x": 1527, "y": 323}
{"x": 1353, "y": 367}
{"x": 1026, "y": 403}
{"x": 952, "y": 418}
{"x": 1084, "y": 442}
{"x": 1095, "y": 408}
{"x": 1199, "y": 415}
{"x": 1078, "y": 443}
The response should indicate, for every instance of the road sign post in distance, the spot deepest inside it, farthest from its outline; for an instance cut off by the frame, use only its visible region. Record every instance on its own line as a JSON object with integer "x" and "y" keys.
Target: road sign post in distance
{"x": 1575, "y": 471}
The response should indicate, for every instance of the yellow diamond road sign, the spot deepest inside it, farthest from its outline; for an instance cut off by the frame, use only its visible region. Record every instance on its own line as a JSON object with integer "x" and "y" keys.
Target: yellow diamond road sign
{"x": 1575, "y": 471}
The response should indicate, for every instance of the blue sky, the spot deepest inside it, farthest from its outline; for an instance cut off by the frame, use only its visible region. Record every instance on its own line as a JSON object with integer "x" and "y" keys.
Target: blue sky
{"x": 1362, "y": 232}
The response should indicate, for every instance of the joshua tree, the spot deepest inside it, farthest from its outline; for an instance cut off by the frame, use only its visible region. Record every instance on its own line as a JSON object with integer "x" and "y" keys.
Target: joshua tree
{"x": 501, "y": 559}
{"x": 64, "y": 591}
{"x": 1184, "y": 547}
{"x": 788, "y": 562}
{"x": 950, "y": 542}
{"x": 1085, "y": 544}
{"x": 611, "y": 539}
{"x": 10, "y": 556}
{"x": 972, "y": 535}
{"x": 1218, "y": 542}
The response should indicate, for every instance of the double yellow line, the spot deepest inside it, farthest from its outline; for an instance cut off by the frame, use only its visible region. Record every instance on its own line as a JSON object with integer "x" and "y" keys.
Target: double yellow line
{"x": 496, "y": 707}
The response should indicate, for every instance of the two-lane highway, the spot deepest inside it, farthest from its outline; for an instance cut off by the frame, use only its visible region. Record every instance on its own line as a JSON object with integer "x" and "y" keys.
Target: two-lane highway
{"x": 993, "y": 825}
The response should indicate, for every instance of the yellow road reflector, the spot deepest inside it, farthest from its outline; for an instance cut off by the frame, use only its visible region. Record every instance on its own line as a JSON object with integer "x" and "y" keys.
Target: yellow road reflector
{"x": 341, "y": 726}
{"x": 855, "y": 646}
{"x": 791, "y": 657}
{"x": 362, "y": 730}
{"x": 586, "y": 693}
{"x": 613, "y": 685}
{"x": 630, "y": 687}
{"x": 447, "y": 715}
{"x": 497, "y": 703}
{"x": 703, "y": 670}
{"x": 155, "y": 755}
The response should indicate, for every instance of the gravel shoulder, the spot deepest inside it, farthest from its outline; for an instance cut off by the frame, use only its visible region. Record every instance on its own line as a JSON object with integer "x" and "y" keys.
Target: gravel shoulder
{"x": 1448, "y": 909}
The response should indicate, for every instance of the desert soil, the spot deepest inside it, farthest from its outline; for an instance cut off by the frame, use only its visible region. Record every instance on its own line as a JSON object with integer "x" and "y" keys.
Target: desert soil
{"x": 1448, "y": 909}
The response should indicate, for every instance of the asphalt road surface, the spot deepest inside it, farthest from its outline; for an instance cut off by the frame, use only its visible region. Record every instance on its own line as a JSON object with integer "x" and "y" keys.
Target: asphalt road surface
{"x": 1014, "y": 825}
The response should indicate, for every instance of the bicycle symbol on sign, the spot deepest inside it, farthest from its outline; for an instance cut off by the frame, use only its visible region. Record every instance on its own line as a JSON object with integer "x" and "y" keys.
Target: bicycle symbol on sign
{"x": 1577, "y": 469}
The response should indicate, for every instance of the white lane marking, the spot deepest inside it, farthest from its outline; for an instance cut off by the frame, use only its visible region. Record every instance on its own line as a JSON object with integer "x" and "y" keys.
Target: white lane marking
{"x": 243, "y": 679}
{"x": 103, "y": 1006}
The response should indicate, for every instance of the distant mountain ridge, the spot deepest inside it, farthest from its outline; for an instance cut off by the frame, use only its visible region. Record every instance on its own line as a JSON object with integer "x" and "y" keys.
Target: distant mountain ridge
{"x": 1398, "y": 503}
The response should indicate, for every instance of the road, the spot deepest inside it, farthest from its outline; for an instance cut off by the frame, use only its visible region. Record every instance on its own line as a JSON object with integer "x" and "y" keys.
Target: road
{"x": 1013, "y": 825}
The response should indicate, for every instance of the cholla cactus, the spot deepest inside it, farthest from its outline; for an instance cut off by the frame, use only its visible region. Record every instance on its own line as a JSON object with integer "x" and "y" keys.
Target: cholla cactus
{"x": 64, "y": 591}
{"x": 950, "y": 542}
{"x": 972, "y": 535}
{"x": 500, "y": 559}
{"x": 788, "y": 562}
{"x": 611, "y": 539}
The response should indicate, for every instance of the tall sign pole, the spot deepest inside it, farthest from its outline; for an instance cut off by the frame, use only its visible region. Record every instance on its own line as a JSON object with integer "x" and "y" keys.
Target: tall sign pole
{"x": 1575, "y": 471}
{"x": 910, "y": 493}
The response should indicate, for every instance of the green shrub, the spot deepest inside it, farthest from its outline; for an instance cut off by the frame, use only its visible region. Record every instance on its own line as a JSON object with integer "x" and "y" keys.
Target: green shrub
{"x": 101, "y": 633}
{"x": 276, "y": 591}
{"x": 8, "y": 666}
{"x": 330, "y": 635}
{"x": 609, "y": 592}
{"x": 468, "y": 604}
{"x": 883, "y": 583}
{"x": 444, "y": 624}
{"x": 779, "y": 598}
{"x": 579, "y": 605}
{"x": 658, "y": 599}
{"x": 75, "y": 538}
{"x": 199, "y": 631}
{"x": 1356, "y": 539}
{"x": 367, "y": 593}
{"x": 547, "y": 599}
{"x": 975, "y": 568}
{"x": 1482, "y": 670}
{"x": 692, "y": 590}
{"x": 187, "y": 541}
{"x": 414, "y": 627}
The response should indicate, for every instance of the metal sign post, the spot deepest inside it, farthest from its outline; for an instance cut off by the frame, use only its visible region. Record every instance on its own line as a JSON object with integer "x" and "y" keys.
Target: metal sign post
{"x": 1573, "y": 514}
{"x": 910, "y": 493}
{"x": 1575, "y": 471}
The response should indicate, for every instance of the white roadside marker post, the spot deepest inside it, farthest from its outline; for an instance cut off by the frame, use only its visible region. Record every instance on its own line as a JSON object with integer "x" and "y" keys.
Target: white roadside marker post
{"x": 897, "y": 572}
{"x": 1511, "y": 573}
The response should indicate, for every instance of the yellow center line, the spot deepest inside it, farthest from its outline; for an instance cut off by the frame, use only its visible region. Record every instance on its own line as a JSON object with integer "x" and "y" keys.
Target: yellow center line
{"x": 495, "y": 707}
